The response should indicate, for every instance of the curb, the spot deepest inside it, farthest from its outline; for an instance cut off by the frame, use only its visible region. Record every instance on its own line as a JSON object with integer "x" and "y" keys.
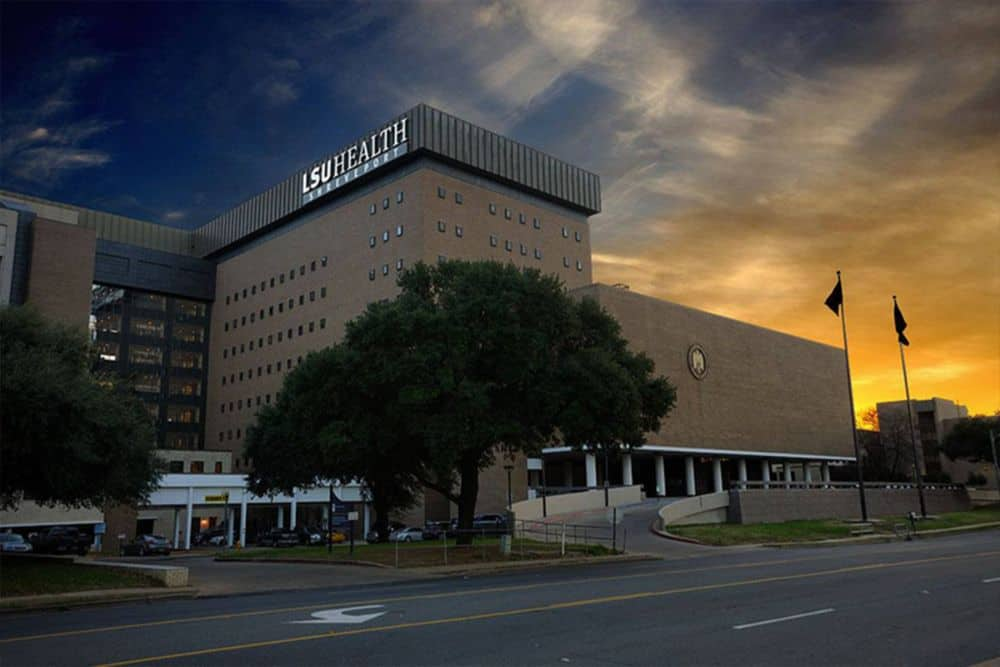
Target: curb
{"x": 92, "y": 598}
{"x": 304, "y": 561}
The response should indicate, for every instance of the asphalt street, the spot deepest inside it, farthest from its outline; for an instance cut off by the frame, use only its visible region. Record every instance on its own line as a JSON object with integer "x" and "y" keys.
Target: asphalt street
{"x": 928, "y": 602}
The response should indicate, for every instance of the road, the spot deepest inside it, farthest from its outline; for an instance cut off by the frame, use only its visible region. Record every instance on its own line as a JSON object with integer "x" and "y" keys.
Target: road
{"x": 931, "y": 602}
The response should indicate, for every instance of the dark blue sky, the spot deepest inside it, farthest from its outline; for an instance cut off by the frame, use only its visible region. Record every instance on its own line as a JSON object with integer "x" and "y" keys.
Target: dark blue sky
{"x": 746, "y": 150}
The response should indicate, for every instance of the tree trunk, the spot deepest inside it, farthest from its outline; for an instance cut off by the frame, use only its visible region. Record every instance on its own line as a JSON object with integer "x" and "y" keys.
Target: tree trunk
{"x": 468, "y": 493}
{"x": 381, "y": 507}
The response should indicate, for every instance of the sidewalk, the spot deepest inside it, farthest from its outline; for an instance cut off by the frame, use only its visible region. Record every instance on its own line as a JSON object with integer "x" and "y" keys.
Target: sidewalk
{"x": 86, "y": 598}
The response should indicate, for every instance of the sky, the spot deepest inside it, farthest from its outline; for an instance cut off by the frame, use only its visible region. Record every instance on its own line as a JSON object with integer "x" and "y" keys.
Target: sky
{"x": 747, "y": 151}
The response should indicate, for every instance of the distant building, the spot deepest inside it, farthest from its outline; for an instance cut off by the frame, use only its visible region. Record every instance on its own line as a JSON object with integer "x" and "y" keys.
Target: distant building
{"x": 929, "y": 417}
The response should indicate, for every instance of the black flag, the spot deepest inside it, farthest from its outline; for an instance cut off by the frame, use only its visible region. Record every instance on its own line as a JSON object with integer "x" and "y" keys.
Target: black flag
{"x": 836, "y": 298}
{"x": 897, "y": 315}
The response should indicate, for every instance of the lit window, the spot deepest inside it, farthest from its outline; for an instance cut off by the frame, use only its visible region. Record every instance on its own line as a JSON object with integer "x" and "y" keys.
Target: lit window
{"x": 458, "y": 230}
{"x": 441, "y": 192}
{"x": 385, "y": 236}
{"x": 565, "y": 233}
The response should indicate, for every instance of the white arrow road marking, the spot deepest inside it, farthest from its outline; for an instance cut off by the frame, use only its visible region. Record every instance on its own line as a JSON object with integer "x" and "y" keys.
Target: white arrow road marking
{"x": 340, "y": 615}
{"x": 783, "y": 618}
{"x": 991, "y": 581}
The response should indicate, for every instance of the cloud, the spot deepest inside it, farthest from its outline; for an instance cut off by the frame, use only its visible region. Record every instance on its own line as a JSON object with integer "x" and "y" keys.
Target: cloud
{"x": 173, "y": 216}
{"x": 277, "y": 93}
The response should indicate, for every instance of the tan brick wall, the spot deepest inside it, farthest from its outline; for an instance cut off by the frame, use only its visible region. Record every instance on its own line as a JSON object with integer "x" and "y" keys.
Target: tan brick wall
{"x": 62, "y": 270}
{"x": 768, "y": 505}
{"x": 763, "y": 391}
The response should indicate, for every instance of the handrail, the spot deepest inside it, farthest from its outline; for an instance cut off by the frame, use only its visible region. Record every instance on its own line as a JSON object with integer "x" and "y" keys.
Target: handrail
{"x": 819, "y": 484}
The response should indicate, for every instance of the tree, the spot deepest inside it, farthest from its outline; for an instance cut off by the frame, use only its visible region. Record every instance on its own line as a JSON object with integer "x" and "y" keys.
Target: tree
{"x": 970, "y": 438}
{"x": 69, "y": 436}
{"x": 868, "y": 418}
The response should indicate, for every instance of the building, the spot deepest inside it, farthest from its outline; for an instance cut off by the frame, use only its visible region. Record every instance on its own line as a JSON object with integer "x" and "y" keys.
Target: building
{"x": 931, "y": 419}
{"x": 209, "y": 321}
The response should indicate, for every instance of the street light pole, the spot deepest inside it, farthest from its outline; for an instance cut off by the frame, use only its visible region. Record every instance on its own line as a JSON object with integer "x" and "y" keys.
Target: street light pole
{"x": 509, "y": 466}
{"x": 605, "y": 448}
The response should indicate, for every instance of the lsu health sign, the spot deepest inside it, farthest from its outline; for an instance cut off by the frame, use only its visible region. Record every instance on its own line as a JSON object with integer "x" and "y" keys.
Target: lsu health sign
{"x": 360, "y": 158}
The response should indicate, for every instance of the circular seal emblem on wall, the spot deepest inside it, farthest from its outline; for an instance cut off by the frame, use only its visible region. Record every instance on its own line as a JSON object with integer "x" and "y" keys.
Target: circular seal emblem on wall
{"x": 697, "y": 362}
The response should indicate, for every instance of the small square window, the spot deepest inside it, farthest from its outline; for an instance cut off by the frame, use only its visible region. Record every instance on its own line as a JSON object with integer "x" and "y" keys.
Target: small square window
{"x": 441, "y": 192}
{"x": 385, "y": 236}
{"x": 399, "y": 230}
{"x": 371, "y": 274}
{"x": 372, "y": 209}
{"x": 508, "y": 245}
{"x": 385, "y": 269}
{"x": 322, "y": 260}
{"x": 399, "y": 197}
{"x": 458, "y": 197}
{"x": 385, "y": 203}
{"x": 322, "y": 325}
{"x": 506, "y": 213}
{"x": 536, "y": 223}
{"x": 493, "y": 241}
{"x": 442, "y": 258}
{"x": 441, "y": 226}
{"x": 493, "y": 209}
{"x": 459, "y": 231}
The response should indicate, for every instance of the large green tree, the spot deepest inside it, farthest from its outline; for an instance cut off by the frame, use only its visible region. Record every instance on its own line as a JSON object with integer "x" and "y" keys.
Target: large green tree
{"x": 67, "y": 435}
{"x": 970, "y": 438}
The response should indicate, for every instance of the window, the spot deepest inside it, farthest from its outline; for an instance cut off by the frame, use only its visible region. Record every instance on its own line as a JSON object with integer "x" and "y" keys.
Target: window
{"x": 493, "y": 209}
{"x": 177, "y": 466}
{"x": 225, "y": 353}
{"x": 441, "y": 192}
{"x": 270, "y": 310}
{"x": 243, "y": 321}
{"x": 322, "y": 325}
{"x": 521, "y": 218}
{"x": 399, "y": 197}
{"x": 302, "y": 299}
{"x": 267, "y": 399}
{"x": 458, "y": 231}
{"x": 244, "y": 292}
{"x": 385, "y": 269}
{"x": 218, "y": 467}
{"x": 372, "y": 209}
{"x": 185, "y": 387}
{"x": 385, "y": 203}
{"x": 227, "y": 299}
{"x": 281, "y": 334}
{"x": 385, "y": 236}
{"x": 147, "y": 383}
{"x": 222, "y": 408}
{"x": 506, "y": 213}
{"x": 578, "y": 237}
{"x": 508, "y": 245}
{"x": 291, "y": 274}
{"x": 272, "y": 281}
{"x": 222, "y": 436}
{"x": 197, "y": 466}
{"x": 458, "y": 197}
{"x": 281, "y": 278}
{"x": 523, "y": 248}
{"x": 399, "y": 230}
{"x": 270, "y": 339}
{"x": 312, "y": 295}
{"x": 291, "y": 304}
{"x": 263, "y": 285}
{"x": 300, "y": 329}
{"x": 182, "y": 441}
{"x": 579, "y": 265}
{"x": 145, "y": 354}
{"x": 253, "y": 316}
{"x": 279, "y": 366}
{"x": 107, "y": 350}
{"x": 322, "y": 260}
{"x": 442, "y": 258}
{"x": 291, "y": 333}
{"x": 312, "y": 265}
{"x": 302, "y": 270}
{"x": 372, "y": 241}
{"x": 149, "y": 301}
{"x": 312, "y": 327}
{"x": 185, "y": 359}
{"x": 236, "y": 297}
{"x": 399, "y": 265}
{"x": 441, "y": 226}
{"x": 322, "y": 292}
{"x": 226, "y": 326}
{"x": 142, "y": 326}
{"x": 538, "y": 253}
{"x": 536, "y": 223}
{"x": 268, "y": 372}
{"x": 565, "y": 233}
{"x": 493, "y": 240}
{"x": 223, "y": 377}
{"x": 189, "y": 308}
{"x": 371, "y": 274}
{"x": 261, "y": 313}
{"x": 182, "y": 414}
{"x": 253, "y": 289}
{"x": 566, "y": 261}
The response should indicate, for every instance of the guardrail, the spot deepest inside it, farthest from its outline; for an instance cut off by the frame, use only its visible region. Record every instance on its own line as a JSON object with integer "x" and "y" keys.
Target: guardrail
{"x": 818, "y": 484}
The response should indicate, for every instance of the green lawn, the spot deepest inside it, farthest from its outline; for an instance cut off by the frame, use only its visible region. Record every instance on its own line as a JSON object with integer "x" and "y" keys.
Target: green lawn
{"x": 23, "y": 575}
{"x": 808, "y": 531}
{"x": 420, "y": 554}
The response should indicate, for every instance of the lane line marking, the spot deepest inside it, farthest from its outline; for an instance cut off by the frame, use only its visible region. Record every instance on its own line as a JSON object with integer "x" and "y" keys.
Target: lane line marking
{"x": 784, "y": 618}
{"x": 406, "y": 598}
{"x": 990, "y": 581}
{"x": 544, "y": 608}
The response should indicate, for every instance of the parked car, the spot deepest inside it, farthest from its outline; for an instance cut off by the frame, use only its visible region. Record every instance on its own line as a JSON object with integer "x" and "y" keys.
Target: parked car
{"x": 145, "y": 545}
{"x": 495, "y": 524}
{"x": 373, "y": 534}
{"x": 13, "y": 543}
{"x": 210, "y": 537}
{"x": 433, "y": 530}
{"x": 279, "y": 537}
{"x": 407, "y": 535}
{"x": 60, "y": 540}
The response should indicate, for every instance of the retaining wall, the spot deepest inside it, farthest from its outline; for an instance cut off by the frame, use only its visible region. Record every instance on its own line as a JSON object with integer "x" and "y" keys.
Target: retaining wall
{"x": 706, "y": 508}
{"x": 771, "y": 505}
{"x": 567, "y": 503}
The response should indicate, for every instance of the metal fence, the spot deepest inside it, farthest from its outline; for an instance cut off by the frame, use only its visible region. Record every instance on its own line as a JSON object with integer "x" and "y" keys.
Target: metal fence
{"x": 818, "y": 484}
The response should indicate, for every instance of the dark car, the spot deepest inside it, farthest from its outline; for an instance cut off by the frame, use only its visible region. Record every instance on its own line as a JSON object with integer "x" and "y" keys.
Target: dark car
{"x": 374, "y": 536}
{"x": 60, "y": 540}
{"x": 279, "y": 537}
{"x": 434, "y": 530}
{"x": 495, "y": 524}
{"x": 145, "y": 545}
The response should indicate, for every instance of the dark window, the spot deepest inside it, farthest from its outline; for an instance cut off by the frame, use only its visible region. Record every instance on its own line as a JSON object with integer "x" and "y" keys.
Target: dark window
{"x": 458, "y": 197}
{"x": 322, "y": 325}
{"x": 312, "y": 265}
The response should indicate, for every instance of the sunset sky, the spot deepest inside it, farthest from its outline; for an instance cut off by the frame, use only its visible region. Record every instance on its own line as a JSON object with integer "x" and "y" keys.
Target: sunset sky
{"x": 747, "y": 151}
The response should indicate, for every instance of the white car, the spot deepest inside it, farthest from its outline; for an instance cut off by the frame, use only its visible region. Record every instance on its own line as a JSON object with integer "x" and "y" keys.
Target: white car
{"x": 13, "y": 543}
{"x": 407, "y": 535}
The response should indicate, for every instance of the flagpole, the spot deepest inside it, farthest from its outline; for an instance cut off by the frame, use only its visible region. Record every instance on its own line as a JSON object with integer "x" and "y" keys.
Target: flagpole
{"x": 850, "y": 395}
{"x": 913, "y": 439}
